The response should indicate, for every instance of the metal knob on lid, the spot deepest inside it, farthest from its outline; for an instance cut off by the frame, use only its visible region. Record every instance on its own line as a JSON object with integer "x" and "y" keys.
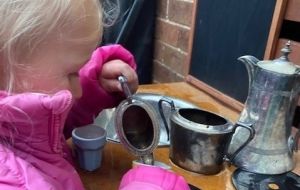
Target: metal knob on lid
{"x": 286, "y": 50}
{"x": 281, "y": 65}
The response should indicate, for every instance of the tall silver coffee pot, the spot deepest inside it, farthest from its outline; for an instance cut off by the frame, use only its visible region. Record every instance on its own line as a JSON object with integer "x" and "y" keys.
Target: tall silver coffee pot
{"x": 269, "y": 108}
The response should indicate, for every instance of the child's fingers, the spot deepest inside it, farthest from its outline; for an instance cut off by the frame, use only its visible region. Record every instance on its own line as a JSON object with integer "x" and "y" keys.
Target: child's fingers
{"x": 111, "y": 85}
{"x": 110, "y": 73}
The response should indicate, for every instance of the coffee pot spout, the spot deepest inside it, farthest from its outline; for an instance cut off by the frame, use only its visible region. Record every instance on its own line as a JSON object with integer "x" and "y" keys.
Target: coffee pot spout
{"x": 250, "y": 63}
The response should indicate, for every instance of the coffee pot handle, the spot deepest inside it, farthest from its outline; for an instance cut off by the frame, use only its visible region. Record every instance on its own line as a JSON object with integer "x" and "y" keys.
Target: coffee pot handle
{"x": 251, "y": 136}
{"x": 296, "y": 140}
{"x": 161, "y": 111}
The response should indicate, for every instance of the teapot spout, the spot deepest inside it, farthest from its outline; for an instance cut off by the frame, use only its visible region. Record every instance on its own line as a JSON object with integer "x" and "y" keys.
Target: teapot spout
{"x": 250, "y": 63}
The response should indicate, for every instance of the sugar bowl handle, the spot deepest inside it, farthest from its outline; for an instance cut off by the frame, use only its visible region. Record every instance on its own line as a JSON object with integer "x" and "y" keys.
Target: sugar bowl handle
{"x": 161, "y": 111}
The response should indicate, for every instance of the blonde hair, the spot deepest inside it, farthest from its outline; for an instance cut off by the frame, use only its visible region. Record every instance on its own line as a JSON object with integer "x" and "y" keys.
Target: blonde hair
{"x": 26, "y": 23}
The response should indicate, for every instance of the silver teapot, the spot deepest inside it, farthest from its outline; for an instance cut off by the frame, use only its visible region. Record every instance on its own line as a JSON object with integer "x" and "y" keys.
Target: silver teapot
{"x": 272, "y": 98}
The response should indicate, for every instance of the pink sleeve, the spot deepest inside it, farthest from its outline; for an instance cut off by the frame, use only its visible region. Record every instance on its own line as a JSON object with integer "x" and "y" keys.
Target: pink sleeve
{"x": 94, "y": 98}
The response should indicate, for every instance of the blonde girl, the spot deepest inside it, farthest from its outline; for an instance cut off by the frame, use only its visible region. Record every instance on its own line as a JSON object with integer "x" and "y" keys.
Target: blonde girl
{"x": 52, "y": 78}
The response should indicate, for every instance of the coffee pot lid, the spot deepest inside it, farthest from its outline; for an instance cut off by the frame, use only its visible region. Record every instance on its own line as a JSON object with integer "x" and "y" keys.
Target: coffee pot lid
{"x": 282, "y": 64}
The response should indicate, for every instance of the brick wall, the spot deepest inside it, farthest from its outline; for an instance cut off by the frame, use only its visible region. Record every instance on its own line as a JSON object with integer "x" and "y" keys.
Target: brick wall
{"x": 173, "y": 29}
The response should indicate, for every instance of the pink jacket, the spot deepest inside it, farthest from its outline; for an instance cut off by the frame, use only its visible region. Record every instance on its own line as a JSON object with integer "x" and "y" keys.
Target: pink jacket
{"x": 33, "y": 150}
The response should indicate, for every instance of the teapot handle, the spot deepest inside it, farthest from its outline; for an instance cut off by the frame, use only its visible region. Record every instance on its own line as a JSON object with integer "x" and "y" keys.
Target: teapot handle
{"x": 126, "y": 90}
{"x": 251, "y": 136}
{"x": 161, "y": 111}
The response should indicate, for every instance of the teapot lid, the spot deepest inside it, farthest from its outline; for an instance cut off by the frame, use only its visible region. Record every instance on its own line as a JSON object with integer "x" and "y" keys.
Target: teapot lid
{"x": 282, "y": 64}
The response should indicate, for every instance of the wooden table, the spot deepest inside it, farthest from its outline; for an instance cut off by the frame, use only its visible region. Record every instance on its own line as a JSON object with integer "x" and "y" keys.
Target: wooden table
{"x": 116, "y": 160}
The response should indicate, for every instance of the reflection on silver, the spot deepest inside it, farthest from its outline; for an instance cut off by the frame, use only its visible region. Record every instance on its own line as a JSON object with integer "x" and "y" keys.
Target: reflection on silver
{"x": 106, "y": 118}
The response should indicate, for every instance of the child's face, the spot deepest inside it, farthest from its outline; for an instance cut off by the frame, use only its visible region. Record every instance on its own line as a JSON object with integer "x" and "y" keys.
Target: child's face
{"x": 55, "y": 65}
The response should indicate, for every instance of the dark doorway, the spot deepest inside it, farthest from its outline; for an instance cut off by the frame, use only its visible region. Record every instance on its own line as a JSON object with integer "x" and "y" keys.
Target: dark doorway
{"x": 134, "y": 29}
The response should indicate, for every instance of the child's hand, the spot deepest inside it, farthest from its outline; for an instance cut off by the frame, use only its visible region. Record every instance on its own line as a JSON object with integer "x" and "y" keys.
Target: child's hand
{"x": 112, "y": 70}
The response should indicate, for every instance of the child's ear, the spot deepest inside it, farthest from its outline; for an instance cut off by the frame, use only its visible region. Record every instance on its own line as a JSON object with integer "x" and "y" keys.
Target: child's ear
{"x": 99, "y": 44}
